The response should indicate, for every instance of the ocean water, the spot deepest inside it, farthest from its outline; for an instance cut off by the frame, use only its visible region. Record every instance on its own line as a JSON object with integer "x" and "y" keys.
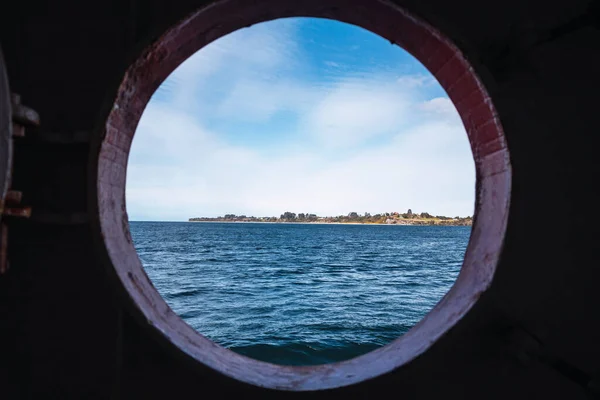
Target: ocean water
{"x": 300, "y": 294}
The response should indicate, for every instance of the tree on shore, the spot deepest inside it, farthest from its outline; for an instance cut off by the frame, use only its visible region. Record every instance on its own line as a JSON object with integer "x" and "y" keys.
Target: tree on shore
{"x": 288, "y": 216}
{"x": 409, "y": 218}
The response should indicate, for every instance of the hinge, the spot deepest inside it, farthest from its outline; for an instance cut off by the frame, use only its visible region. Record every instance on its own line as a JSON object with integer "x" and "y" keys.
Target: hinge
{"x": 22, "y": 117}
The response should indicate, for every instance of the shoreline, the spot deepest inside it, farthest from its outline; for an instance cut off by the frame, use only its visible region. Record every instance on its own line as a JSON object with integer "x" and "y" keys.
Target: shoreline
{"x": 321, "y": 223}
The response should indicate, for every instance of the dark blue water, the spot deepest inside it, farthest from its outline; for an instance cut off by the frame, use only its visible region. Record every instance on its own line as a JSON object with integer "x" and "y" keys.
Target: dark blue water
{"x": 300, "y": 294}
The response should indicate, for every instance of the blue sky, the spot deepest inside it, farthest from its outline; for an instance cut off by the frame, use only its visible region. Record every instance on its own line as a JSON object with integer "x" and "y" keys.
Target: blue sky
{"x": 301, "y": 115}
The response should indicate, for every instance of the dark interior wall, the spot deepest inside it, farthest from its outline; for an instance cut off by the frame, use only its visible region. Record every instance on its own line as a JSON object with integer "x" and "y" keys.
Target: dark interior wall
{"x": 64, "y": 334}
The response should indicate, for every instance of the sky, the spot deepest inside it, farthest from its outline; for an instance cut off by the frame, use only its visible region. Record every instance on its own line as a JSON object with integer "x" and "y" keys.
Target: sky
{"x": 303, "y": 115}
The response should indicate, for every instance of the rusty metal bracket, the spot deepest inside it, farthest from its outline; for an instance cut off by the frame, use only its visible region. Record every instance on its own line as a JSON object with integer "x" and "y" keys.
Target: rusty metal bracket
{"x": 22, "y": 117}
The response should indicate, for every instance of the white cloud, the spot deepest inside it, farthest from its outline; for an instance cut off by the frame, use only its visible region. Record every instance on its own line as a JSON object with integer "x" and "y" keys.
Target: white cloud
{"x": 258, "y": 100}
{"x": 441, "y": 106}
{"x": 355, "y": 111}
{"x": 417, "y": 80}
{"x": 262, "y": 50}
{"x": 427, "y": 168}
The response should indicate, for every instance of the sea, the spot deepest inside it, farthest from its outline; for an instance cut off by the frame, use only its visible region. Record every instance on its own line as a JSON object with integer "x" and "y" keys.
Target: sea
{"x": 300, "y": 294}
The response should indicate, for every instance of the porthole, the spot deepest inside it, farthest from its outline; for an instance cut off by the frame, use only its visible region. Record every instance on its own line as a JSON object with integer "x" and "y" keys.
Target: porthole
{"x": 464, "y": 88}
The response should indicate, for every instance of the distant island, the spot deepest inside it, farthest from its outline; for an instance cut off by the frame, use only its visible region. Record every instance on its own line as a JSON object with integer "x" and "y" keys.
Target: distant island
{"x": 393, "y": 218}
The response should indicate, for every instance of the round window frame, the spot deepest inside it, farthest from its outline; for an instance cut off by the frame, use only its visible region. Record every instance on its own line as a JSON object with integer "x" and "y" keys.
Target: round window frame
{"x": 436, "y": 52}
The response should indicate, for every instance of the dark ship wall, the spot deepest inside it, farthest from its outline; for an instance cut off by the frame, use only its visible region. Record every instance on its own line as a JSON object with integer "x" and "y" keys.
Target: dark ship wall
{"x": 69, "y": 330}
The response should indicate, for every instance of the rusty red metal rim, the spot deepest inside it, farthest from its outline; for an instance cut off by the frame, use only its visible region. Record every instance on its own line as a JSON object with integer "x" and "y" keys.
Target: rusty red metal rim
{"x": 464, "y": 88}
